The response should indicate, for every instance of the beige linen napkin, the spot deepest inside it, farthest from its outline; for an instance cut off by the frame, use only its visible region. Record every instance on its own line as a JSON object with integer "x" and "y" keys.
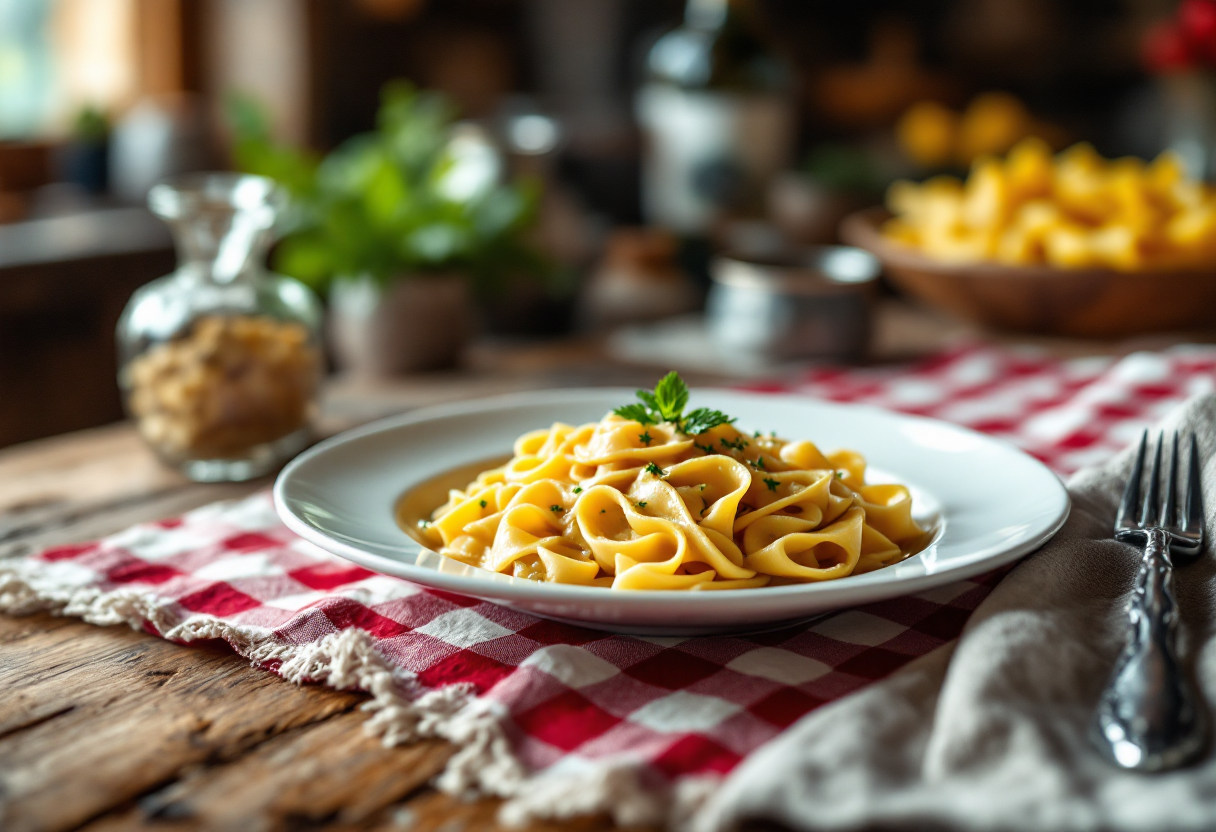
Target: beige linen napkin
{"x": 990, "y": 734}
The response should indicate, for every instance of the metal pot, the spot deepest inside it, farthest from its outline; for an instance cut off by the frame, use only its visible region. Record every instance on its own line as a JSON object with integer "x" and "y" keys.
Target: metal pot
{"x": 796, "y": 303}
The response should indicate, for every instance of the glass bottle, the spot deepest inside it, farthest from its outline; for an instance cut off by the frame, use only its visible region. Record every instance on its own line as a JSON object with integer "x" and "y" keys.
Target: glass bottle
{"x": 220, "y": 362}
{"x": 717, "y": 117}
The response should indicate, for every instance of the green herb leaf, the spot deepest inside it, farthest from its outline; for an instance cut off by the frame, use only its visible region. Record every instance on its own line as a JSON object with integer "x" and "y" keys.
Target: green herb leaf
{"x": 641, "y": 504}
{"x": 671, "y": 396}
{"x": 734, "y": 444}
{"x": 709, "y": 449}
{"x": 771, "y": 483}
{"x": 483, "y": 503}
{"x": 645, "y": 438}
{"x": 666, "y": 404}
{"x": 578, "y": 489}
{"x": 637, "y": 413}
{"x": 653, "y": 469}
{"x": 703, "y": 419}
{"x": 556, "y": 509}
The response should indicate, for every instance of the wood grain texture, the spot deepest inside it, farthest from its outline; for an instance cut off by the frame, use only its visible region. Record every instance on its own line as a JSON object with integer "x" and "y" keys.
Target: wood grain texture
{"x": 96, "y": 717}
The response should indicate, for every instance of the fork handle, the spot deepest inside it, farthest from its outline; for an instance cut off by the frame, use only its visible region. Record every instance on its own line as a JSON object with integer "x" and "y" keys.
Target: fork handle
{"x": 1148, "y": 718}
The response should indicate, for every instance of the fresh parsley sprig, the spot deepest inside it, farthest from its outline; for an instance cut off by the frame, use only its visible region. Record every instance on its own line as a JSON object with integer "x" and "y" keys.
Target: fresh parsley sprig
{"x": 666, "y": 404}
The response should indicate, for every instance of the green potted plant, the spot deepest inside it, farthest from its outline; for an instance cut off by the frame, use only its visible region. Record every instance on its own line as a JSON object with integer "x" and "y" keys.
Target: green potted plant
{"x": 83, "y": 159}
{"x": 400, "y": 226}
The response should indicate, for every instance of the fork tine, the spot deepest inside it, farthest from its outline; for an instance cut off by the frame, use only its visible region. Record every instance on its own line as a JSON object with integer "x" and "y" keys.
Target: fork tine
{"x": 1148, "y": 514}
{"x": 1130, "y": 503}
{"x": 1192, "y": 501}
{"x": 1168, "y": 510}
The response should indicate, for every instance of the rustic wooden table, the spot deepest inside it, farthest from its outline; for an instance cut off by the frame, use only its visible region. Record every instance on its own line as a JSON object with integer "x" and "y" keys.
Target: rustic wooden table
{"x": 108, "y": 728}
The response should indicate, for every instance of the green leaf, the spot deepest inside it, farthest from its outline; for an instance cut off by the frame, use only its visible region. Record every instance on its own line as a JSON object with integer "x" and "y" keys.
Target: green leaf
{"x": 703, "y": 419}
{"x": 305, "y": 257}
{"x": 637, "y": 413}
{"x": 667, "y": 403}
{"x": 649, "y": 400}
{"x": 384, "y": 194}
{"x": 671, "y": 393}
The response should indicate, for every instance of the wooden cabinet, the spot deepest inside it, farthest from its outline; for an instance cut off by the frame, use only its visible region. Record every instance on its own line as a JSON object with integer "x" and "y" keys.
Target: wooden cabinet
{"x": 63, "y": 283}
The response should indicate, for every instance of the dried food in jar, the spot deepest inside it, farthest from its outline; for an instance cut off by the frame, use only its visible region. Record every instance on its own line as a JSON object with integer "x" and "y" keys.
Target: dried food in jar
{"x": 231, "y": 383}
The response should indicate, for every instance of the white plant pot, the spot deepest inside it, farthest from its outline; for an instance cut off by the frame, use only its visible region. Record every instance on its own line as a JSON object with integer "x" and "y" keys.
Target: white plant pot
{"x": 413, "y": 323}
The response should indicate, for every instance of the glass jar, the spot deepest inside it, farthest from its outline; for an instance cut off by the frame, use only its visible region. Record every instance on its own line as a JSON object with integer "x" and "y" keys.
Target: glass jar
{"x": 220, "y": 362}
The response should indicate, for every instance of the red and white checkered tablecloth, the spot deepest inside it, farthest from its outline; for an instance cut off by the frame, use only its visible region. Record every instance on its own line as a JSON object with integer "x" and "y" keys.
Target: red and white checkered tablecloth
{"x": 561, "y": 719}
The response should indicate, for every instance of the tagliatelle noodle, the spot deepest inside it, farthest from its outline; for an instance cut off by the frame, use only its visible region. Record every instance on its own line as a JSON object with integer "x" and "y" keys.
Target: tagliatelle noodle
{"x": 624, "y": 505}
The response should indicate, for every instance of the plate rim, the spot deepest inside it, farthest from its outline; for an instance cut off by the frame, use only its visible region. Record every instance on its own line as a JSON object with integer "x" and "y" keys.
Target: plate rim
{"x": 542, "y": 592}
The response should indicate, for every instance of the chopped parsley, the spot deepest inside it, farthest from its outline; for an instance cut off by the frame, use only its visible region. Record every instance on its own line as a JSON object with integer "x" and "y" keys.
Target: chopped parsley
{"x": 709, "y": 449}
{"x": 641, "y": 504}
{"x": 484, "y": 504}
{"x": 578, "y": 489}
{"x": 758, "y": 464}
{"x": 735, "y": 445}
{"x": 666, "y": 403}
{"x": 840, "y": 475}
{"x": 771, "y": 483}
{"x": 422, "y": 524}
{"x": 756, "y": 435}
{"x": 645, "y": 438}
{"x": 556, "y": 509}
{"x": 603, "y": 511}
{"x": 653, "y": 469}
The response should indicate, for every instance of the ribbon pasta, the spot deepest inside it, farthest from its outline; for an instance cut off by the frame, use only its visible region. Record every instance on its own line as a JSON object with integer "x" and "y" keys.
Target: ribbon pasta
{"x": 624, "y": 505}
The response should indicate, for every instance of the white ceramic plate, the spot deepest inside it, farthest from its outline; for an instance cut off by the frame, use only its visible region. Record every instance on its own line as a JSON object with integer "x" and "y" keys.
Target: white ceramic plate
{"x": 989, "y": 502}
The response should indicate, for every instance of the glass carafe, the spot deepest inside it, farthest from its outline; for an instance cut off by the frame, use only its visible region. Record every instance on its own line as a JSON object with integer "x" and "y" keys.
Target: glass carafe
{"x": 220, "y": 362}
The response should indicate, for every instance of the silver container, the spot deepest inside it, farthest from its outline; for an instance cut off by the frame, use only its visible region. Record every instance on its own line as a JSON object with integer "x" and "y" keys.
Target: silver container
{"x": 812, "y": 302}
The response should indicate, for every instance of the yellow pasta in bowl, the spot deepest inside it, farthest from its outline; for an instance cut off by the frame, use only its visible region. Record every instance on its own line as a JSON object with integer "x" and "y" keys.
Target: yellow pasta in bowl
{"x": 650, "y": 497}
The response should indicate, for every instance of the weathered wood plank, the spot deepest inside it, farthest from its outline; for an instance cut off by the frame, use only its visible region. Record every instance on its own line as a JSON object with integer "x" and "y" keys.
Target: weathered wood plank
{"x": 433, "y": 811}
{"x": 327, "y": 773}
{"x": 111, "y": 713}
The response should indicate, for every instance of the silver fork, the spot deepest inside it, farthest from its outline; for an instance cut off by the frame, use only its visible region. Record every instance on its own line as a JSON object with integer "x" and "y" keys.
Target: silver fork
{"x": 1149, "y": 717}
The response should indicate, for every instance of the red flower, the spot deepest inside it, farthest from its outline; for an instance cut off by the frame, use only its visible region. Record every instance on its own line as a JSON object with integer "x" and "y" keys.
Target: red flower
{"x": 1197, "y": 20}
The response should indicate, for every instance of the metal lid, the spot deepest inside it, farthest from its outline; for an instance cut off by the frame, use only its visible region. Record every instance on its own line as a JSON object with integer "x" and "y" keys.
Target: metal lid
{"x": 810, "y": 270}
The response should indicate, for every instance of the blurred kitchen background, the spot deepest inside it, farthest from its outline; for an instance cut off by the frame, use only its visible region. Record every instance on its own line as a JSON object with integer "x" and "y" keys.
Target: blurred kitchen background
{"x": 580, "y": 162}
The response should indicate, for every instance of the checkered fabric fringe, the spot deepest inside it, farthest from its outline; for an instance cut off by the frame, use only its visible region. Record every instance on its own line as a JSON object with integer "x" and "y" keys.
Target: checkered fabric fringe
{"x": 564, "y": 720}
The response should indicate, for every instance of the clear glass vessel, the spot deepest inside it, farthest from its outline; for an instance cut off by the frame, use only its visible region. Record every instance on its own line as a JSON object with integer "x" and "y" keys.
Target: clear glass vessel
{"x": 220, "y": 362}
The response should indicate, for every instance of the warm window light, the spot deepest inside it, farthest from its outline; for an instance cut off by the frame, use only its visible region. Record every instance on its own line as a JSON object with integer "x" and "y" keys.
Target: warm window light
{"x": 26, "y": 75}
{"x": 57, "y": 56}
{"x": 96, "y": 53}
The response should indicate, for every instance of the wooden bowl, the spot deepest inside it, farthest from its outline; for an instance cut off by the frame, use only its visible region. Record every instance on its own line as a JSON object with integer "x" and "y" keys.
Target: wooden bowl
{"x": 1090, "y": 303}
